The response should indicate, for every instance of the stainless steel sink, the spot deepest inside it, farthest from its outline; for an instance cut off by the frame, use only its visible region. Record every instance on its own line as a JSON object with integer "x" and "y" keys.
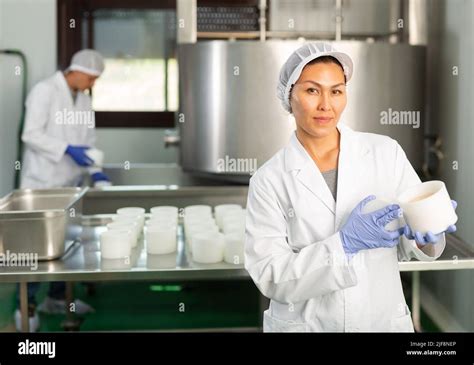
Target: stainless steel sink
{"x": 41, "y": 222}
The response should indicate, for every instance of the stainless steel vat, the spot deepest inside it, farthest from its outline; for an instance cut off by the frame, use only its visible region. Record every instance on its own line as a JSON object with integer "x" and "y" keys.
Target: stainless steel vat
{"x": 40, "y": 222}
{"x": 229, "y": 110}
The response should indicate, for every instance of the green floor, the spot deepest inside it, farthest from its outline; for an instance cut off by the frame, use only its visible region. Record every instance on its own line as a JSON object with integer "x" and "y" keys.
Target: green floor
{"x": 428, "y": 324}
{"x": 426, "y": 321}
{"x": 163, "y": 306}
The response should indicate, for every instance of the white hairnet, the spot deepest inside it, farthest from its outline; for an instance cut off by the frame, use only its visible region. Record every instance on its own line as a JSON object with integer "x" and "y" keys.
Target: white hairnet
{"x": 291, "y": 70}
{"x": 88, "y": 61}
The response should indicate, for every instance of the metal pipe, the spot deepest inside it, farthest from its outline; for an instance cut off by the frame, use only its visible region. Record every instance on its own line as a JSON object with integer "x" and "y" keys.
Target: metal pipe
{"x": 25, "y": 319}
{"x": 166, "y": 58}
{"x": 70, "y": 322}
{"x": 415, "y": 301}
{"x": 262, "y": 6}
{"x": 403, "y": 14}
{"x": 186, "y": 21}
{"x": 289, "y": 35}
{"x": 338, "y": 35}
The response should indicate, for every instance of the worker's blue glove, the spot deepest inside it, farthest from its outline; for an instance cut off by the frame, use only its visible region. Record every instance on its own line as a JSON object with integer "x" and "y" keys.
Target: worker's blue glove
{"x": 99, "y": 176}
{"x": 366, "y": 231}
{"x": 78, "y": 154}
{"x": 429, "y": 237}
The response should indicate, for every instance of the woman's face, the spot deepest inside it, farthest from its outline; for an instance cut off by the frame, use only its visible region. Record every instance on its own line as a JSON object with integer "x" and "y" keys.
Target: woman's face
{"x": 318, "y": 98}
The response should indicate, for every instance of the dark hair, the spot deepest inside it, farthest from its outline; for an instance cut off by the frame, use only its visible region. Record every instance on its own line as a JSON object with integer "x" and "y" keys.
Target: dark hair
{"x": 327, "y": 59}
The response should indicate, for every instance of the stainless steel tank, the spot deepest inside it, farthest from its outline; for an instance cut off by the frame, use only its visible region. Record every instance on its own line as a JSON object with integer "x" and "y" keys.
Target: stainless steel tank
{"x": 230, "y": 117}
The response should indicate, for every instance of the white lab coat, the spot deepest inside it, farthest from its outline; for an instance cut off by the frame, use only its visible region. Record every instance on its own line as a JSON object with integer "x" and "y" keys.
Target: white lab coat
{"x": 47, "y": 133}
{"x": 293, "y": 250}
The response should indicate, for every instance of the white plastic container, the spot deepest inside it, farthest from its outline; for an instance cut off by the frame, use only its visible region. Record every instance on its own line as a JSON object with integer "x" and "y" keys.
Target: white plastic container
{"x": 160, "y": 240}
{"x": 234, "y": 248}
{"x": 236, "y": 228}
{"x": 427, "y": 207}
{"x": 233, "y": 224}
{"x": 133, "y": 212}
{"x": 190, "y": 226}
{"x": 197, "y": 209}
{"x": 165, "y": 210}
{"x": 208, "y": 248}
{"x": 96, "y": 155}
{"x": 201, "y": 229}
{"x": 223, "y": 209}
{"x": 197, "y": 230}
{"x": 116, "y": 244}
{"x": 127, "y": 226}
{"x": 161, "y": 221}
{"x": 130, "y": 219}
{"x": 196, "y": 222}
{"x": 234, "y": 213}
{"x": 127, "y": 218}
{"x": 190, "y": 219}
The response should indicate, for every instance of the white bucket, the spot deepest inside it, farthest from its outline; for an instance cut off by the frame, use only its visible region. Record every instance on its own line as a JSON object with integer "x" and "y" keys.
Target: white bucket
{"x": 427, "y": 207}
{"x": 115, "y": 244}
{"x": 208, "y": 248}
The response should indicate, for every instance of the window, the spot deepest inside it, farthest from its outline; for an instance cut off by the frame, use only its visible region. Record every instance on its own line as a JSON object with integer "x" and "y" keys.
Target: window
{"x": 139, "y": 50}
{"x": 139, "y": 86}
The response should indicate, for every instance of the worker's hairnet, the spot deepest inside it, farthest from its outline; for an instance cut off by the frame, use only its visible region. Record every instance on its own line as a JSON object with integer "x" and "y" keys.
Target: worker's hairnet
{"x": 291, "y": 70}
{"x": 88, "y": 61}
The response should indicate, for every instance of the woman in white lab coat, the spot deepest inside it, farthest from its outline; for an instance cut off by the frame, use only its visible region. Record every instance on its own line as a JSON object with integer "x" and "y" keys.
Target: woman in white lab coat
{"x": 324, "y": 264}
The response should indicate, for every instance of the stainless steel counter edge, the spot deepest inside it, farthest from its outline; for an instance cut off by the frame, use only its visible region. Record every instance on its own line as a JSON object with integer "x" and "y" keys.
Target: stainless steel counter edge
{"x": 130, "y": 275}
{"x": 111, "y": 191}
{"x": 193, "y": 274}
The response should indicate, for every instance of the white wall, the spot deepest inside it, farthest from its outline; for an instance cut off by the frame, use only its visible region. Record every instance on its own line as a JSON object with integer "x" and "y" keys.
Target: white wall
{"x": 451, "y": 43}
{"x": 10, "y": 91}
{"x": 29, "y": 26}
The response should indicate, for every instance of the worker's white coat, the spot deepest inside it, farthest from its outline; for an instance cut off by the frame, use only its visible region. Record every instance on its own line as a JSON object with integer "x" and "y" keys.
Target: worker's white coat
{"x": 293, "y": 250}
{"x": 52, "y": 122}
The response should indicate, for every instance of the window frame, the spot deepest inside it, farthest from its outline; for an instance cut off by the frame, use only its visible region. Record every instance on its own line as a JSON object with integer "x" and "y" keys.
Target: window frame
{"x": 70, "y": 41}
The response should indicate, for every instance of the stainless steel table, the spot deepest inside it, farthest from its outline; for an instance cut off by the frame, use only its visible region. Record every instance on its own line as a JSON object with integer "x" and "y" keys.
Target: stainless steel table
{"x": 83, "y": 262}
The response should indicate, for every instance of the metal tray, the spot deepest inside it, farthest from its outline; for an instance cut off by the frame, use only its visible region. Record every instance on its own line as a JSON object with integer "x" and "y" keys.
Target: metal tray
{"x": 41, "y": 222}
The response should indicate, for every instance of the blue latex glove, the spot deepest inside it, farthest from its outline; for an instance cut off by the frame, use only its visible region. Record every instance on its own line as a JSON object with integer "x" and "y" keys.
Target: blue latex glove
{"x": 429, "y": 237}
{"x": 78, "y": 154}
{"x": 366, "y": 231}
{"x": 99, "y": 176}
